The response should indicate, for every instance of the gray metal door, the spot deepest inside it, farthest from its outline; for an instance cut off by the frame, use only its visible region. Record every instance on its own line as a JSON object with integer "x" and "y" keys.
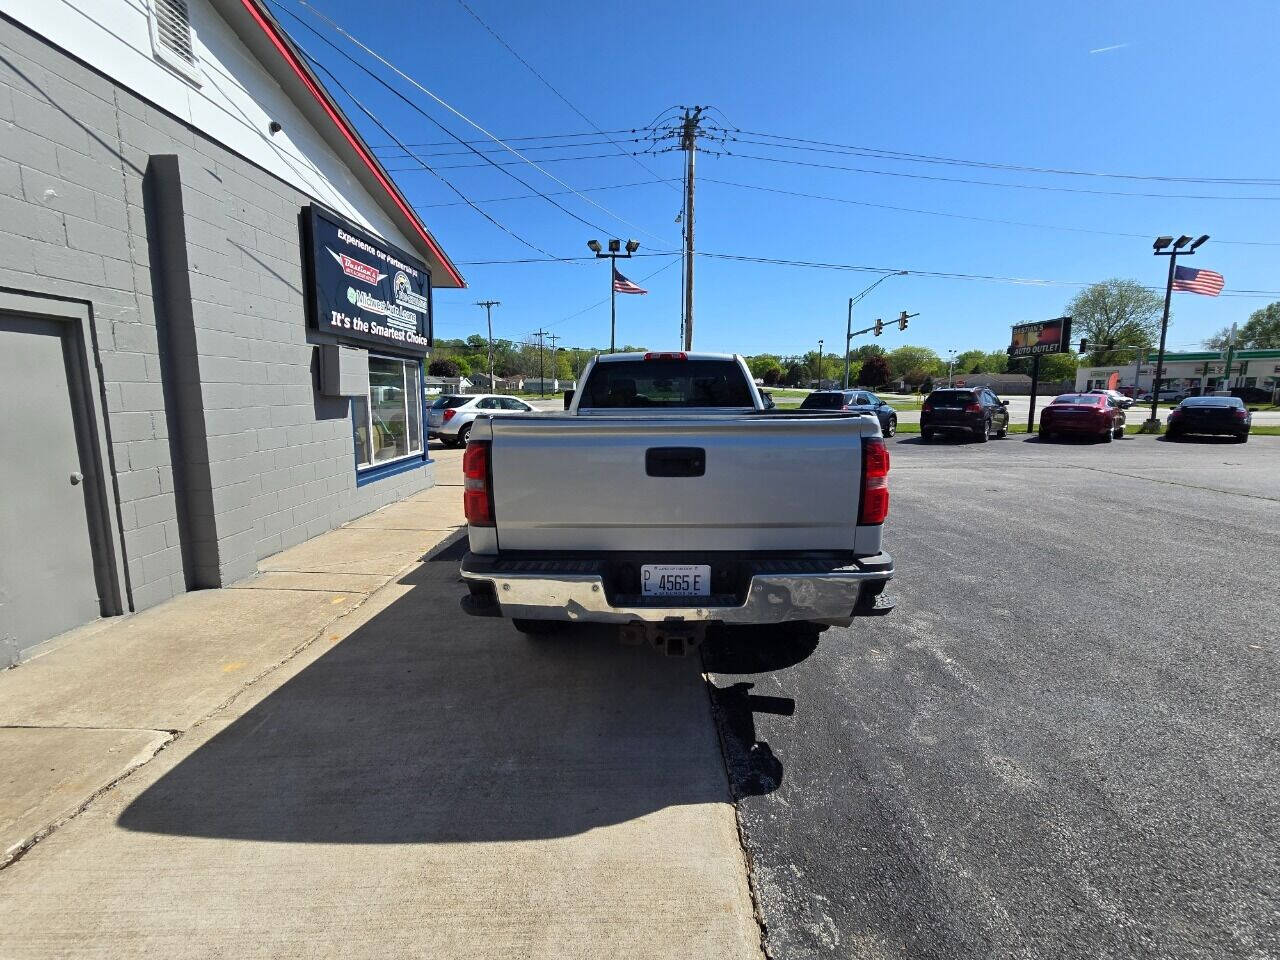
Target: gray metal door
{"x": 47, "y": 582}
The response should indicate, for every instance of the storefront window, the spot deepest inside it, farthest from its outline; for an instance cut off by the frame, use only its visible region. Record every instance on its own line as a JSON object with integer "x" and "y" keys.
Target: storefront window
{"x": 387, "y": 425}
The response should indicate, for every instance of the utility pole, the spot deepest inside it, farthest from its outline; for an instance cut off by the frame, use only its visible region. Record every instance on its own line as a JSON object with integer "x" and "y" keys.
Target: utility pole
{"x": 819, "y": 364}
{"x": 689, "y": 144}
{"x": 553, "y": 337}
{"x": 488, "y": 316}
{"x": 849, "y": 332}
{"x": 542, "y": 383}
{"x": 1225, "y": 382}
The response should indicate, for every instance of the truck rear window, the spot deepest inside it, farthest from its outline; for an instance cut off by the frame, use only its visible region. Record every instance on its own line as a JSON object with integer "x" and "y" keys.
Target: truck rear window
{"x": 665, "y": 384}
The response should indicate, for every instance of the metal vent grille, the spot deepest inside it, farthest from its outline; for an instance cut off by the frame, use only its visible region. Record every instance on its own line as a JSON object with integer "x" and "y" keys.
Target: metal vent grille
{"x": 173, "y": 29}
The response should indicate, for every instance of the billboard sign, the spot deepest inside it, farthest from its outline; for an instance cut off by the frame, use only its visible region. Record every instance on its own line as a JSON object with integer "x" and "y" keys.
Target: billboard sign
{"x": 363, "y": 289}
{"x": 1045, "y": 336}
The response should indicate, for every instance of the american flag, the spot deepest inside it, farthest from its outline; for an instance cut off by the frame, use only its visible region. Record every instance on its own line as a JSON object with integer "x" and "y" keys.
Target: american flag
{"x": 622, "y": 285}
{"x": 1197, "y": 281}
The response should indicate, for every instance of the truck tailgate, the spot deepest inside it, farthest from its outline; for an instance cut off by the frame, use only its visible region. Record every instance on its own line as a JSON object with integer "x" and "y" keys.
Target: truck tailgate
{"x": 758, "y": 483}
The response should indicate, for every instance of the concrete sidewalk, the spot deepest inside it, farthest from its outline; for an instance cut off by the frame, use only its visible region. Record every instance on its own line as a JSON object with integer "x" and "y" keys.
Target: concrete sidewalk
{"x": 330, "y": 759}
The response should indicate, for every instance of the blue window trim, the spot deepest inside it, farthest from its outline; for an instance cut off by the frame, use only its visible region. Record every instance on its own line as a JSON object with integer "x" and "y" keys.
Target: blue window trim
{"x": 367, "y": 475}
{"x": 371, "y": 474}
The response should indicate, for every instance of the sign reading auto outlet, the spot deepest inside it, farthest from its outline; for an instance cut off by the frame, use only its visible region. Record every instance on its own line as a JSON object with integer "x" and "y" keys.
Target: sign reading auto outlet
{"x": 365, "y": 289}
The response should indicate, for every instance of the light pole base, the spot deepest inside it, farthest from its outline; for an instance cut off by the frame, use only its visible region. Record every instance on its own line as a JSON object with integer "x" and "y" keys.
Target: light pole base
{"x": 1150, "y": 426}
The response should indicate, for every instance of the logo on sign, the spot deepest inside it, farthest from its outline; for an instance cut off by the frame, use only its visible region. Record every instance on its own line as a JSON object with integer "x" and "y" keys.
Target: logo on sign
{"x": 354, "y": 268}
{"x": 405, "y": 295}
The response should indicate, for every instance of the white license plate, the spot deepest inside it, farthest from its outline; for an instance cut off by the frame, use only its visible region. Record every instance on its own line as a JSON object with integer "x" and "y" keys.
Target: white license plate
{"x": 675, "y": 579}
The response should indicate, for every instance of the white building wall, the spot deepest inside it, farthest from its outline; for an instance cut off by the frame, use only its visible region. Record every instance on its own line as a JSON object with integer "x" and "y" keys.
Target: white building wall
{"x": 232, "y": 101}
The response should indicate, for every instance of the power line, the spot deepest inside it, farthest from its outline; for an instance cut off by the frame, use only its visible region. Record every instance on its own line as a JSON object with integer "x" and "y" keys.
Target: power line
{"x": 994, "y": 183}
{"x": 601, "y": 303}
{"x": 988, "y": 164}
{"x": 378, "y": 123}
{"x": 498, "y": 150}
{"x": 415, "y": 107}
{"x": 959, "y": 216}
{"x": 547, "y": 83}
{"x": 490, "y": 162}
{"x": 552, "y": 193}
{"x": 461, "y": 116}
{"x": 536, "y": 136}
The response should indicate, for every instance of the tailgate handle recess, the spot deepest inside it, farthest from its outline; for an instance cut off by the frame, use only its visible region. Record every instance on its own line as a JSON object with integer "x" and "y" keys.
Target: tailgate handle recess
{"x": 675, "y": 462}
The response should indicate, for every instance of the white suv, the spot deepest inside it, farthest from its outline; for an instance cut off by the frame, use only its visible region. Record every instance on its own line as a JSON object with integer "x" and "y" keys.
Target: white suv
{"x": 450, "y": 417}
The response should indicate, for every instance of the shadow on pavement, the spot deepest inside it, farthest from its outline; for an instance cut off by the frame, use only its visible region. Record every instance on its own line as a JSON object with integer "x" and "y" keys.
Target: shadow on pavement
{"x": 425, "y": 725}
{"x": 752, "y": 766}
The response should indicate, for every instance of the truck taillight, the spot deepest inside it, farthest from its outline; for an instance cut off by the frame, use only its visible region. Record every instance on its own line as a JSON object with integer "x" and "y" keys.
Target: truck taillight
{"x": 447, "y": 416}
{"x": 477, "y": 492}
{"x": 973, "y": 408}
{"x": 875, "y": 482}
{"x": 666, "y": 356}
{"x": 1242, "y": 413}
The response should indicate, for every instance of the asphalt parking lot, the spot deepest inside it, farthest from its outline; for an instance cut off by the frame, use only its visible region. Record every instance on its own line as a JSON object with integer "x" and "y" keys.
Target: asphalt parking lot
{"x": 1062, "y": 743}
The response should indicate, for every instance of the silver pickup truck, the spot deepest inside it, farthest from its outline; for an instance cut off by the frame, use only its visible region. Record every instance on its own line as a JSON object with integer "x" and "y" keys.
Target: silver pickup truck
{"x": 667, "y": 497}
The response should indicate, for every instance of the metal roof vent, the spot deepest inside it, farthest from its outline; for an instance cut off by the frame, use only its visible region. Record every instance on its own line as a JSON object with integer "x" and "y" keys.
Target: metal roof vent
{"x": 171, "y": 35}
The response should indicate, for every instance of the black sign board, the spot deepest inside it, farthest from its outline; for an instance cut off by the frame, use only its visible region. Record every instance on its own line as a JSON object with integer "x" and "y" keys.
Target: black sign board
{"x": 1044, "y": 336}
{"x": 364, "y": 289}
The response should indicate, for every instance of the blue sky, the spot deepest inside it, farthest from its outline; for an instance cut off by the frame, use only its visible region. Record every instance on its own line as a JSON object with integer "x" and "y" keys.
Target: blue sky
{"x": 1010, "y": 83}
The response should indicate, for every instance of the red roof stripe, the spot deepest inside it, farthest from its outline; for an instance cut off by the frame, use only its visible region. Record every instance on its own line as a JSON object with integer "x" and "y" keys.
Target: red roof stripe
{"x": 273, "y": 35}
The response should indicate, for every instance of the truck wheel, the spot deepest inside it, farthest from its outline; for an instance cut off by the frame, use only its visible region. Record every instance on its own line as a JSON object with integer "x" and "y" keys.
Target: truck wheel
{"x": 535, "y": 628}
{"x": 1119, "y": 434}
{"x": 892, "y": 428}
{"x": 463, "y": 434}
{"x": 1107, "y": 437}
{"x": 985, "y": 433}
{"x": 1003, "y": 431}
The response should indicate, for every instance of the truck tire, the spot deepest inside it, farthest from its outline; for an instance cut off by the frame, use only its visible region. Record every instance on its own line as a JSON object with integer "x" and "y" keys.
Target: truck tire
{"x": 1107, "y": 437}
{"x": 463, "y": 434}
{"x": 535, "y": 628}
{"x": 892, "y": 428}
{"x": 985, "y": 433}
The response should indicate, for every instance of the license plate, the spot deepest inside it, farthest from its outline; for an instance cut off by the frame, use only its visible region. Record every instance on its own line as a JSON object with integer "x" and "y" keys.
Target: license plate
{"x": 675, "y": 579}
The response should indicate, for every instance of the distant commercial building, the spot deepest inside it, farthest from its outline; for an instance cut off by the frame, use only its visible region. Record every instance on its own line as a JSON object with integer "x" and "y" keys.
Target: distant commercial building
{"x": 214, "y": 307}
{"x": 1201, "y": 371}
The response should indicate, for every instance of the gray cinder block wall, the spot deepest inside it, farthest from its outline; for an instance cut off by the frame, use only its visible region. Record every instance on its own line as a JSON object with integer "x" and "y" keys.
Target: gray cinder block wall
{"x": 275, "y": 463}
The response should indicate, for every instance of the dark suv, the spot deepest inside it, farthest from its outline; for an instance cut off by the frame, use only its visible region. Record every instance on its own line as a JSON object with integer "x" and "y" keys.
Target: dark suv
{"x": 855, "y": 401}
{"x": 973, "y": 410}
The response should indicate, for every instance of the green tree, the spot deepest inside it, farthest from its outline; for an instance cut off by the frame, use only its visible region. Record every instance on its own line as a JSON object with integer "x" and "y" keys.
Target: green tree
{"x": 1053, "y": 366}
{"x": 1260, "y": 332}
{"x": 1115, "y": 311}
{"x": 444, "y": 367}
{"x": 772, "y": 376}
{"x": 867, "y": 350}
{"x": 798, "y": 375}
{"x": 970, "y": 361}
{"x": 913, "y": 363}
{"x": 760, "y": 365}
{"x": 874, "y": 372}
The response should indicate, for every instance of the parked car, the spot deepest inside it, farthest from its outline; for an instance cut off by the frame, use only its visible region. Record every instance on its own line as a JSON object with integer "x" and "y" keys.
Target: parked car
{"x": 1252, "y": 394}
{"x": 451, "y": 416}
{"x": 854, "y": 401}
{"x": 1168, "y": 395}
{"x": 1122, "y": 401}
{"x": 1211, "y": 415}
{"x": 1083, "y": 414}
{"x": 972, "y": 410}
{"x": 658, "y": 502}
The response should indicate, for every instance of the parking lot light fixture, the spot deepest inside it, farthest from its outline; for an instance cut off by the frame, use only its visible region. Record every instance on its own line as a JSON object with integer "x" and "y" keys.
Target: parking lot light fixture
{"x": 1162, "y": 248}
{"x": 593, "y": 246}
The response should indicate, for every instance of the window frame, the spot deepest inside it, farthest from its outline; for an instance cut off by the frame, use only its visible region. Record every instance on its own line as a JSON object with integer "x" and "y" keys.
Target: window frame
{"x": 372, "y": 467}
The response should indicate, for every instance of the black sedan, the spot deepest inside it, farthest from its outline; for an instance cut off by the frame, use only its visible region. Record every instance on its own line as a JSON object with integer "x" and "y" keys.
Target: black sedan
{"x": 855, "y": 401}
{"x": 975, "y": 411}
{"x": 1220, "y": 415}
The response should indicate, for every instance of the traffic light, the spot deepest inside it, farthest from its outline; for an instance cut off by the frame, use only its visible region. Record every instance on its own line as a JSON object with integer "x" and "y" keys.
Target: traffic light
{"x": 1084, "y": 346}
{"x": 902, "y": 320}
{"x": 879, "y": 327}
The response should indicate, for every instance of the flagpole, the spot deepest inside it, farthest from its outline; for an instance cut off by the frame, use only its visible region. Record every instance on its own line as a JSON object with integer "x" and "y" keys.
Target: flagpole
{"x": 1167, "y": 247}
{"x": 613, "y": 303}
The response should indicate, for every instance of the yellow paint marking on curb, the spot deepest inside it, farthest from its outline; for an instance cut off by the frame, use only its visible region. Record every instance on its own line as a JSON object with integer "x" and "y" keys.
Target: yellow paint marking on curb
{"x": 233, "y": 666}
{"x": 337, "y": 600}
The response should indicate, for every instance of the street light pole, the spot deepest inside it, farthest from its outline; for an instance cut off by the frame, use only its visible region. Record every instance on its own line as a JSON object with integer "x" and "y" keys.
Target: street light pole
{"x": 615, "y": 247}
{"x": 848, "y": 330}
{"x": 819, "y": 364}
{"x": 488, "y": 316}
{"x": 951, "y": 363}
{"x": 1167, "y": 247}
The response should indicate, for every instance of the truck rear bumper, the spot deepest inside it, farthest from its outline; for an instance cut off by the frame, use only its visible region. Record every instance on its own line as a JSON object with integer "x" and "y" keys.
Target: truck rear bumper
{"x": 572, "y": 590}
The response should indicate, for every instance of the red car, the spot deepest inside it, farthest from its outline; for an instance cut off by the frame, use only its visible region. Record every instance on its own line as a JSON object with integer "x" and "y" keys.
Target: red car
{"x": 1085, "y": 414}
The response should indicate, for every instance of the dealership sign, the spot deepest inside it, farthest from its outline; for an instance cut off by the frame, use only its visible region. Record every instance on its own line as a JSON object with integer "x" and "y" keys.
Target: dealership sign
{"x": 1046, "y": 336}
{"x": 365, "y": 289}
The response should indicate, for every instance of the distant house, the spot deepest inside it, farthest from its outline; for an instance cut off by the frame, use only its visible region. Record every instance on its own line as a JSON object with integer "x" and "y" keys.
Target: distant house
{"x": 1007, "y": 384}
{"x": 433, "y": 386}
{"x": 545, "y": 385}
{"x": 481, "y": 380}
